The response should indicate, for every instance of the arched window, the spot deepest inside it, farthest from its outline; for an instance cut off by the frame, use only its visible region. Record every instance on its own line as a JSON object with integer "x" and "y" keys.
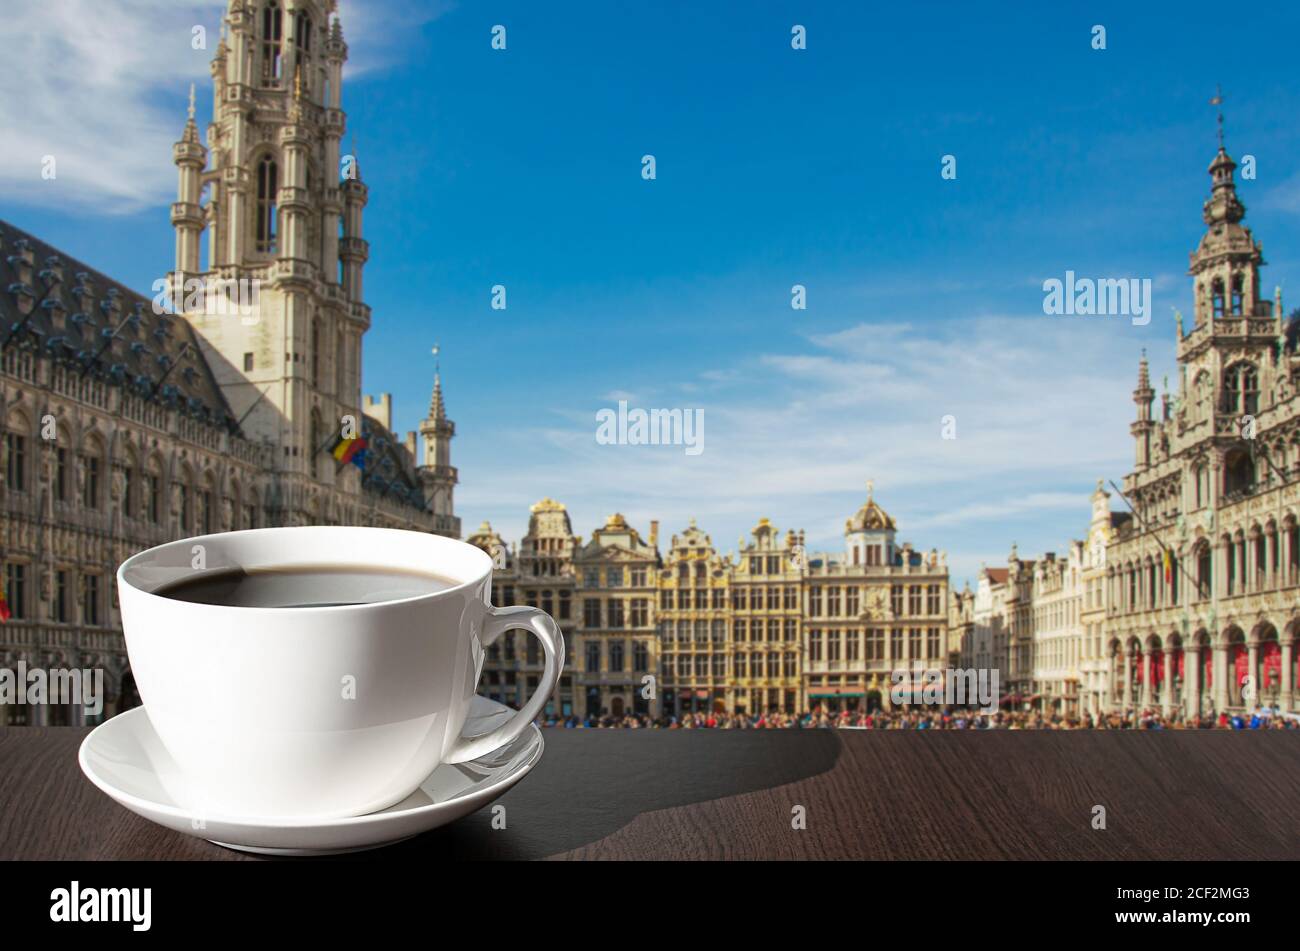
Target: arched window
{"x": 317, "y": 438}
{"x": 64, "y": 477}
{"x": 272, "y": 27}
{"x": 343, "y": 233}
{"x": 1201, "y": 392}
{"x": 315, "y": 351}
{"x": 236, "y": 506}
{"x": 1216, "y": 293}
{"x": 206, "y": 500}
{"x": 302, "y": 33}
{"x": 1236, "y": 295}
{"x": 1238, "y": 472}
{"x": 252, "y": 510}
{"x": 186, "y": 486}
{"x": 1241, "y": 389}
{"x": 1249, "y": 389}
{"x": 15, "y": 447}
{"x": 151, "y": 504}
{"x": 130, "y": 484}
{"x": 267, "y": 184}
{"x": 92, "y": 475}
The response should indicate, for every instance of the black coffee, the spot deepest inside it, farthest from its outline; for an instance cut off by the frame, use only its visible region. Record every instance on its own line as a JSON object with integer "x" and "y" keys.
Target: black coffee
{"x": 302, "y": 586}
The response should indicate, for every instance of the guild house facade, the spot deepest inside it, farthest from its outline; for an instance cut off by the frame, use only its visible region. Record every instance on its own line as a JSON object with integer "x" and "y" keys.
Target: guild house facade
{"x": 132, "y": 419}
{"x": 771, "y": 627}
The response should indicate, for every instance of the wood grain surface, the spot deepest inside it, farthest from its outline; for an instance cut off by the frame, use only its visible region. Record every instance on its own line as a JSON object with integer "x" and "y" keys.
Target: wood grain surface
{"x": 700, "y": 794}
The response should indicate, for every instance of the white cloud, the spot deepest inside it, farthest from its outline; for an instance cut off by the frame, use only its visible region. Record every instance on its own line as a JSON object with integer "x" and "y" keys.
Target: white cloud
{"x": 1284, "y": 197}
{"x": 1042, "y": 408}
{"x": 102, "y": 85}
{"x": 1068, "y": 502}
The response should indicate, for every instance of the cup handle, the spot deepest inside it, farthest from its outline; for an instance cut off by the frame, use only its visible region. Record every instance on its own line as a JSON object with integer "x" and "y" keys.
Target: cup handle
{"x": 539, "y": 623}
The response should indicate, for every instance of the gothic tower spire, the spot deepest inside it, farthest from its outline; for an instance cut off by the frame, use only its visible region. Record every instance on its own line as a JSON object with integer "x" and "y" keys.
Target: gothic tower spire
{"x": 437, "y": 474}
{"x": 189, "y": 156}
{"x": 1225, "y": 265}
{"x": 277, "y": 199}
{"x": 1143, "y": 426}
{"x": 1229, "y": 356}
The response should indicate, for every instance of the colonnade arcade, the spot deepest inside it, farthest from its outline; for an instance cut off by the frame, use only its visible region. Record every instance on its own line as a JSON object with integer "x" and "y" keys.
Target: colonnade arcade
{"x": 1205, "y": 673}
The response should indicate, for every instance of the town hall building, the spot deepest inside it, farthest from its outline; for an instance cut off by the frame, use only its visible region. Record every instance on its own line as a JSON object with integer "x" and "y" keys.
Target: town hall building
{"x": 213, "y": 403}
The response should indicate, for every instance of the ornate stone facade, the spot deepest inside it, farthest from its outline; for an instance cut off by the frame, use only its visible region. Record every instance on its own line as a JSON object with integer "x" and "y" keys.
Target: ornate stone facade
{"x": 129, "y": 421}
{"x": 615, "y": 644}
{"x": 540, "y": 574}
{"x": 880, "y": 607}
{"x": 1094, "y": 665}
{"x": 767, "y": 601}
{"x": 771, "y": 628}
{"x": 1203, "y": 585}
{"x": 698, "y": 642}
{"x": 1058, "y": 632}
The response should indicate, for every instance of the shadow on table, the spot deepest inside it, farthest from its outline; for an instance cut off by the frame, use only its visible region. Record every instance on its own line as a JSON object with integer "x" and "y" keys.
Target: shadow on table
{"x": 590, "y": 783}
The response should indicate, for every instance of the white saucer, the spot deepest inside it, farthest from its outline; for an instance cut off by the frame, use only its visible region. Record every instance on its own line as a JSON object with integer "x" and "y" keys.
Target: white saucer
{"x": 125, "y": 759}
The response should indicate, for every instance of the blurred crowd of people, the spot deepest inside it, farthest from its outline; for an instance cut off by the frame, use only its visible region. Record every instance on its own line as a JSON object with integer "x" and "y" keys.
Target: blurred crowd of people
{"x": 1263, "y": 718}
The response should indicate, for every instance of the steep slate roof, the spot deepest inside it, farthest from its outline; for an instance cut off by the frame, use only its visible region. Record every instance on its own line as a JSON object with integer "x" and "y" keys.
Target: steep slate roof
{"x": 389, "y": 467}
{"x": 75, "y": 311}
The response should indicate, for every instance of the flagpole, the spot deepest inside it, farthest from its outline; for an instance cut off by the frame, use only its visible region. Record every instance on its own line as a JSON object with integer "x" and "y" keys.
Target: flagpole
{"x": 1163, "y": 547}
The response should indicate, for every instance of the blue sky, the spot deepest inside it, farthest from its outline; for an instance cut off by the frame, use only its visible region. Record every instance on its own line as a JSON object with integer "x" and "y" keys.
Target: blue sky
{"x": 775, "y": 167}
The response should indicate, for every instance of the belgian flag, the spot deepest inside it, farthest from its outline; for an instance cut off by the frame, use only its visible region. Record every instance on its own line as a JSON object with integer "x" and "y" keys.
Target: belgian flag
{"x": 351, "y": 450}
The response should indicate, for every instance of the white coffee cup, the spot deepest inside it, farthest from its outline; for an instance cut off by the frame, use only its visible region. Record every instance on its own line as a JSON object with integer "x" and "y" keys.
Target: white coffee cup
{"x": 318, "y": 712}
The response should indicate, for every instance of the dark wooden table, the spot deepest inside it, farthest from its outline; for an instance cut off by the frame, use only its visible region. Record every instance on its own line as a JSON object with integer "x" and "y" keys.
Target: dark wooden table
{"x": 703, "y": 794}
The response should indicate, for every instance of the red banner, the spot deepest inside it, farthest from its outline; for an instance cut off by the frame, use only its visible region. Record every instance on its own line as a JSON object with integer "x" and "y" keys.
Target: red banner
{"x": 1208, "y": 671}
{"x": 1271, "y": 654}
{"x": 1157, "y": 668}
{"x": 1240, "y": 661}
{"x": 1179, "y": 660}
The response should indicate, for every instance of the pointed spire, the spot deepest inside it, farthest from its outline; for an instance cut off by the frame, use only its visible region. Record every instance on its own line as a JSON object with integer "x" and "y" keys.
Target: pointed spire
{"x": 437, "y": 410}
{"x": 1223, "y": 204}
{"x": 1144, "y": 372}
{"x": 190, "y": 135}
{"x": 1218, "y": 101}
{"x": 356, "y": 160}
